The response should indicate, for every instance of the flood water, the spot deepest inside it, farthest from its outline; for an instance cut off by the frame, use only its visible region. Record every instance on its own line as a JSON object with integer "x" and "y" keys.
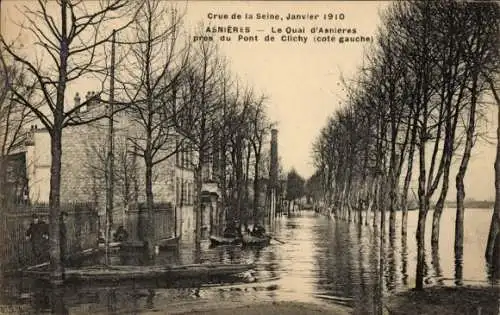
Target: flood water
{"x": 316, "y": 259}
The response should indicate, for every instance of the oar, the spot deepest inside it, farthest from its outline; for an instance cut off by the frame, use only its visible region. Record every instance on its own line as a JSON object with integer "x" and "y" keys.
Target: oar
{"x": 36, "y": 266}
{"x": 279, "y": 241}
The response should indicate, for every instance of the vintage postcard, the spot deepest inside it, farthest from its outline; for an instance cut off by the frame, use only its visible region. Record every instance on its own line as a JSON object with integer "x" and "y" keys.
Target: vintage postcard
{"x": 252, "y": 157}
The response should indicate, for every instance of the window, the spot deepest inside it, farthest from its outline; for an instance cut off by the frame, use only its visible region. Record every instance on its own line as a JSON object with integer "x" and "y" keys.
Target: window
{"x": 177, "y": 191}
{"x": 177, "y": 155}
{"x": 183, "y": 158}
{"x": 183, "y": 194}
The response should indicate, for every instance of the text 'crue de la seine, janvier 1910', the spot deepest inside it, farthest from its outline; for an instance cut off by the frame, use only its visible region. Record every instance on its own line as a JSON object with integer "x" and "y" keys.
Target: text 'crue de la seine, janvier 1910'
{"x": 329, "y": 28}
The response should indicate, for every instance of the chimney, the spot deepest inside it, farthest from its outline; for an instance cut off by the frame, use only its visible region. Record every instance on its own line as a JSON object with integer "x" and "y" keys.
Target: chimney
{"x": 77, "y": 99}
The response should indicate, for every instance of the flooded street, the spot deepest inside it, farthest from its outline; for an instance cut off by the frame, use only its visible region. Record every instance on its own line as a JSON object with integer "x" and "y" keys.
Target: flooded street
{"x": 316, "y": 259}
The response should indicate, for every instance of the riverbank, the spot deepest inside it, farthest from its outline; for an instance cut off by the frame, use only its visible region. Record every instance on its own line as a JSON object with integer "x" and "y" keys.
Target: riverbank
{"x": 446, "y": 301}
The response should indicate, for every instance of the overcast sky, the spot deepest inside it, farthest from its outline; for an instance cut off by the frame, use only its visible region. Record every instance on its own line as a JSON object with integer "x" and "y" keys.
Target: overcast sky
{"x": 301, "y": 80}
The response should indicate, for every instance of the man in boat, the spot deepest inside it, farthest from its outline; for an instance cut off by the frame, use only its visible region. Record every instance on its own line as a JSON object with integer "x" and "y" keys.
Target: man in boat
{"x": 247, "y": 229}
{"x": 231, "y": 231}
{"x": 258, "y": 230}
{"x": 38, "y": 234}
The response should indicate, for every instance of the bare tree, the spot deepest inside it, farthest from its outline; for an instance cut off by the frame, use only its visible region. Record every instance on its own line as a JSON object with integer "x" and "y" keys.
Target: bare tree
{"x": 481, "y": 48}
{"x": 13, "y": 122}
{"x": 124, "y": 175}
{"x": 200, "y": 96}
{"x": 156, "y": 61}
{"x": 494, "y": 234}
{"x": 69, "y": 39}
{"x": 260, "y": 128}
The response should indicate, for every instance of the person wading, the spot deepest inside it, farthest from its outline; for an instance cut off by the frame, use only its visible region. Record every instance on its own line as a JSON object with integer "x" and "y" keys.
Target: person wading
{"x": 38, "y": 234}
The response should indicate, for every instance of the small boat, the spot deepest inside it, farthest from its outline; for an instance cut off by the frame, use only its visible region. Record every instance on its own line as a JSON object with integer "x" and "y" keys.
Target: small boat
{"x": 249, "y": 240}
{"x": 125, "y": 273}
{"x": 111, "y": 245}
{"x": 170, "y": 242}
{"x": 220, "y": 240}
{"x": 132, "y": 245}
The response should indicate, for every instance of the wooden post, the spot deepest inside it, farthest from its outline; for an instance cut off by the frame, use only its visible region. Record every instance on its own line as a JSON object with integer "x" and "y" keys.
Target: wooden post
{"x": 273, "y": 175}
{"x": 109, "y": 186}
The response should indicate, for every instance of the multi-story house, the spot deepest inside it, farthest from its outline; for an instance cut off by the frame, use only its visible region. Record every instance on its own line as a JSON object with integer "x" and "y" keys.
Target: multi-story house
{"x": 83, "y": 169}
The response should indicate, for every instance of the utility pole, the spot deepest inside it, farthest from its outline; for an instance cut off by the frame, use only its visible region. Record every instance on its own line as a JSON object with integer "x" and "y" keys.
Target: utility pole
{"x": 109, "y": 188}
{"x": 273, "y": 176}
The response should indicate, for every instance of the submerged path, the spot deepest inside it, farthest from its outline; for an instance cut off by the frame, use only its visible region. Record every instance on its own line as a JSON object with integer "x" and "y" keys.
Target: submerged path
{"x": 324, "y": 262}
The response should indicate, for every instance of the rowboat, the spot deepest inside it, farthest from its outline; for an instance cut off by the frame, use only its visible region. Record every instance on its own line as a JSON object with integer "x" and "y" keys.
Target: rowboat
{"x": 249, "y": 240}
{"x": 125, "y": 273}
{"x": 170, "y": 242}
{"x": 220, "y": 240}
{"x": 110, "y": 245}
{"x": 132, "y": 245}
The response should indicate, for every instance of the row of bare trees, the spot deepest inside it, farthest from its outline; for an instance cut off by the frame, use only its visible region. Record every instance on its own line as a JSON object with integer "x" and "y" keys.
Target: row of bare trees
{"x": 176, "y": 95}
{"x": 415, "y": 108}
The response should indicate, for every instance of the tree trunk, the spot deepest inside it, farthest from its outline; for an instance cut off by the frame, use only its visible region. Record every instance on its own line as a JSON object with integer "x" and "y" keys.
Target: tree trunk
{"x": 422, "y": 215}
{"x": 247, "y": 182}
{"x": 393, "y": 173}
{"x": 375, "y": 203}
{"x": 3, "y": 181}
{"x": 448, "y": 155}
{"x": 240, "y": 182}
{"x": 197, "y": 208}
{"x": 469, "y": 142}
{"x": 408, "y": 176}
{"x": 55, "y": 207}
{"x": 57, "y": 269}
{"x": 438, "y": 210}
{"x": 223, "y": 182}
{"x": 256, "y": 188}
{"x": 150, "y": 230}
{"x": 348, "y": 193}
{"x": 393, "y": 199}
{"x": 493, "y": 236}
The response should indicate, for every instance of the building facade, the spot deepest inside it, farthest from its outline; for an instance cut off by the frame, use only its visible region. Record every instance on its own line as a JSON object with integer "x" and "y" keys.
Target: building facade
{"x": 84, "y": 169}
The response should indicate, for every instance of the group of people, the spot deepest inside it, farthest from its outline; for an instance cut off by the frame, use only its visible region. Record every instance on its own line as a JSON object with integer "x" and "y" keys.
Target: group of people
{"x": 232, "y": 230}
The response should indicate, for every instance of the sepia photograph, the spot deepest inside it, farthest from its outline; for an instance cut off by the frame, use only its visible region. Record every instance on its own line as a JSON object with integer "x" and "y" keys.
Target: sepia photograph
{"x": 249, "y": 157}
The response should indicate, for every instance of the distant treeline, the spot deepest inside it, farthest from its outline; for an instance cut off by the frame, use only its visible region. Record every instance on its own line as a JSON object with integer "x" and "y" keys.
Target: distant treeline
{"x": 473, "y": 204}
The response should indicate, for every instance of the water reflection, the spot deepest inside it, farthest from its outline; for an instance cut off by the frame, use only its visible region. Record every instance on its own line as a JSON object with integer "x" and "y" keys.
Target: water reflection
{"x": 391, "y": 265}
{"x": 150, "y": 299}
{"x": 324, "y": 260}
{"x": 436, "y": 265}
{"x": 404, "y": 261}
